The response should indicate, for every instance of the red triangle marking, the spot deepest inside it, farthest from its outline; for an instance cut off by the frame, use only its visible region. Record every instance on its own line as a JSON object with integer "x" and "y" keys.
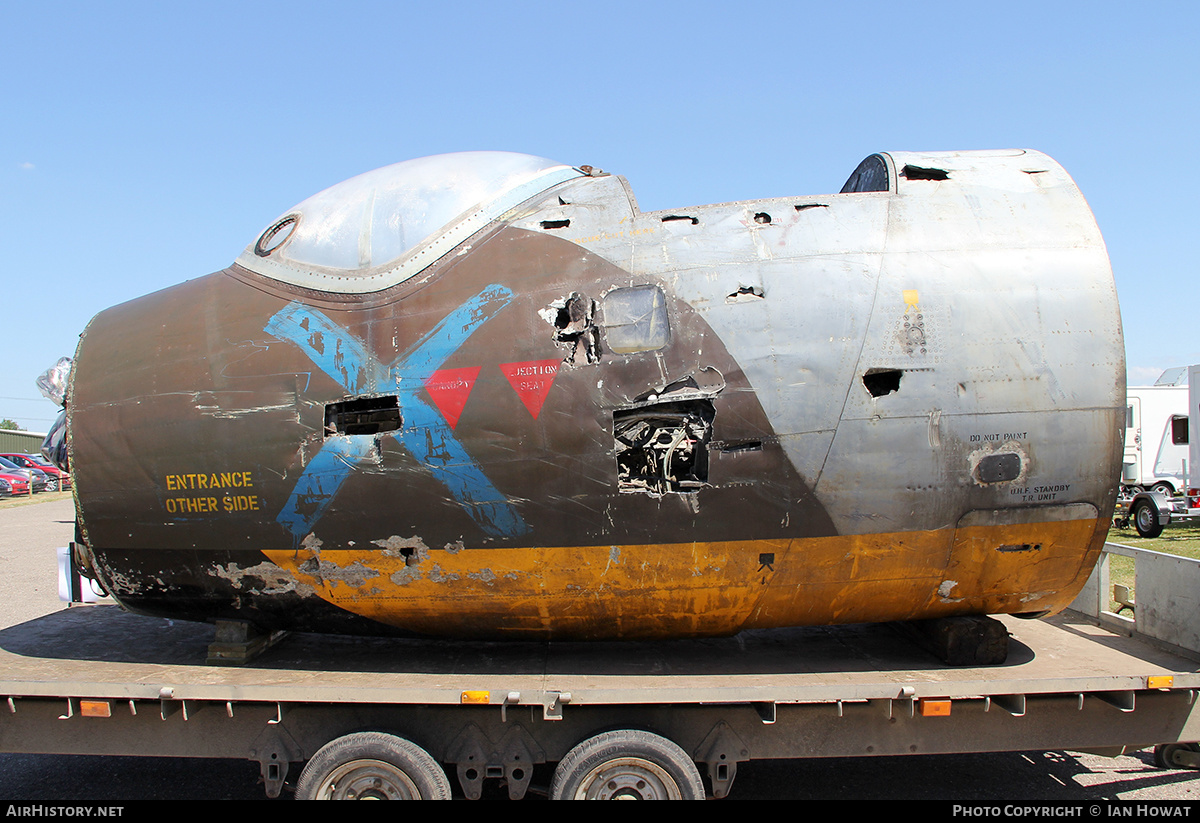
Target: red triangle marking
{"x": 532, "y": 381}
{"x": 449, "y": 389}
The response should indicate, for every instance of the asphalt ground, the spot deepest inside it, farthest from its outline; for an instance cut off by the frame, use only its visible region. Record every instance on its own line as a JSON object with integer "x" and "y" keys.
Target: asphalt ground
{"x": 30, "y": 531}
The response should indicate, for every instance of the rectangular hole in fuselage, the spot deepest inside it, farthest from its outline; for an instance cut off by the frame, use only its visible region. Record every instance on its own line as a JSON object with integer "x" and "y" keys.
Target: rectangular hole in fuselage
{"x": 882, "y": 381}
{"x": 742, "y": 446}
{"x": 363, "y": 415}
{"x": 663, "y": 447}
{"x": 922, "y": 173}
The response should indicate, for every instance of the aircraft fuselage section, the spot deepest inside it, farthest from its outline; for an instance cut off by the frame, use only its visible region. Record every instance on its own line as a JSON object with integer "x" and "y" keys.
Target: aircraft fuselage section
{"x": 586, "y": 421}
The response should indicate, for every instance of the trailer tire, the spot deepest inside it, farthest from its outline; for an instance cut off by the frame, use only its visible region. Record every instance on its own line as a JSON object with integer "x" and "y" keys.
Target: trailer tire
{"x": 1164, "y": 755}
{"x": 1145, "y": 518}
{"x": 627, "y": 765}
{"x": 1163, "y": 488}
{"x": 372, "y": 766}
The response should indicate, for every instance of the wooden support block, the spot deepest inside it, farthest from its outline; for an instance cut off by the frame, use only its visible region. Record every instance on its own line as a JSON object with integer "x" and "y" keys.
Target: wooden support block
{"x": 237, "y": 642}
{"x": 974, "y": 640}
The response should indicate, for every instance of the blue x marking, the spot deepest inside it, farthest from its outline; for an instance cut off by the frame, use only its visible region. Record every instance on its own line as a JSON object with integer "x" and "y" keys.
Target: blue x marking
{"x": 424, "y": 433}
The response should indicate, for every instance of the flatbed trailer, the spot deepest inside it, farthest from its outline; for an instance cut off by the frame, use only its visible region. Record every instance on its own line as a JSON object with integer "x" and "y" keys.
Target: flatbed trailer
{"x": 621, "y": 718}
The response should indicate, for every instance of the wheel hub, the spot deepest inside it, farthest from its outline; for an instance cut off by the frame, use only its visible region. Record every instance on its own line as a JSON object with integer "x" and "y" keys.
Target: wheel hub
{"x": 368, "y": 780}
{"x": 628, "y": 778}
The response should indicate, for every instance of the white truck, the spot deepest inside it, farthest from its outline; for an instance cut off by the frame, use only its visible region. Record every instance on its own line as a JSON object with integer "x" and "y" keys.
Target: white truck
{"x": 1161, "y": 444}
{"x": 1193, "y": 414}
{"x": 1156, "y": 435}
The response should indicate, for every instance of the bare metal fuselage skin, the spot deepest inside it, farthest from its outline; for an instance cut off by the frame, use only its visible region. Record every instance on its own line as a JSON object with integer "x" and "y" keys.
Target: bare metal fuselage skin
{"x": 579, "y": 420}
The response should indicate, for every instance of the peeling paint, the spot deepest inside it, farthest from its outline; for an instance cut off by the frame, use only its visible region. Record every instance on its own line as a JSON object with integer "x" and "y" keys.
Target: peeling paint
{"x": 406, "y": 575}
{"x": 264, "y": 578}
{"x": 438, "y": 576}
{"x": 412, "y": 548}
{"x": 329, "y": 573}
{"x": 993, "y": 452}
{"x": 123, "y": 584}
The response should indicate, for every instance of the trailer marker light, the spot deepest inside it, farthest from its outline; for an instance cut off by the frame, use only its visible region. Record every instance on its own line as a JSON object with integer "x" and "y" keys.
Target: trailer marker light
{"x": 476, "y": 697}
{"x": 95, "y": 708}
{"x": 1160, "y": 681}
{"x": 934, "y": 708}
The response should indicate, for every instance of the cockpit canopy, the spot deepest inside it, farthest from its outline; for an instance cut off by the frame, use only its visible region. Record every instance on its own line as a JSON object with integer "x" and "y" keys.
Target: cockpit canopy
{"x": 381, "y": 228}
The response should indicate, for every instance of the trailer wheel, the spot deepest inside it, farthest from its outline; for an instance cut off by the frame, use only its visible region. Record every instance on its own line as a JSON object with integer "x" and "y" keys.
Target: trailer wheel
{"x": 627, "y": 765}
{"x": 1163, "y": 488}
{"x": 1164, "y": 755}
{"x": 1145, "y": 518}
{"x": 372, "y": 766}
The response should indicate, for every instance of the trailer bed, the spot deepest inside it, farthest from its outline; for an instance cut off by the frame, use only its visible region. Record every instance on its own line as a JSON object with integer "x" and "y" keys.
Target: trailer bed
{"x": 104, "y": 652}
{"x": 97, "y": 680}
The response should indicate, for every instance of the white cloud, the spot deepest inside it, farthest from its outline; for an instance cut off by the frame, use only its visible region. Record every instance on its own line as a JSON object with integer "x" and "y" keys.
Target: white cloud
{"x": 26, "y": 165}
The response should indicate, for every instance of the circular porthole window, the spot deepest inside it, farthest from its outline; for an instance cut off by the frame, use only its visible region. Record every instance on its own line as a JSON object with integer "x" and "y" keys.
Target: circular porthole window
{"x": 276, "y": 235}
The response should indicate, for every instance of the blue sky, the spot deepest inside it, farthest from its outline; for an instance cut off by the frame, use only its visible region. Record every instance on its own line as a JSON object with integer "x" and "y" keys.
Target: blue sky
{"x": 143, "y": 144}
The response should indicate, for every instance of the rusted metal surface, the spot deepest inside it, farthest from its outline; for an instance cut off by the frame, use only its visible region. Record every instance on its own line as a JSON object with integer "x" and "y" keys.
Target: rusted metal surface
{"x": 558, "y": 416}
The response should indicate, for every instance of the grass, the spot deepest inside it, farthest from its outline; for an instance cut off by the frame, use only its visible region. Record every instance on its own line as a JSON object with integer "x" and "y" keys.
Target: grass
{"x": 1181, "y": 538}
{"x": 30, "y": 499}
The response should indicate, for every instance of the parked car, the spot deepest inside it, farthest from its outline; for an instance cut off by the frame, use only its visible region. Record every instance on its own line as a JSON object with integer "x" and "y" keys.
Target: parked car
{"x": 56, "y": 478}
{"x": 37, "y": 478}
{"x": 64, "y": 478}
{"x": 17, "y": 483}
{"x": 5, "y": 488}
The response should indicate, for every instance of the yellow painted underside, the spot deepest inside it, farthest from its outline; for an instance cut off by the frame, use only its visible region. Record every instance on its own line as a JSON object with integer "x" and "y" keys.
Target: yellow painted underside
{"x": 697, "y": 589}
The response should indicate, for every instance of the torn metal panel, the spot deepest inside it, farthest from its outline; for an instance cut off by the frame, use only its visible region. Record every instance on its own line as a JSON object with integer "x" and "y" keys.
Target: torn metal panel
{"x": 663, "y": 447}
